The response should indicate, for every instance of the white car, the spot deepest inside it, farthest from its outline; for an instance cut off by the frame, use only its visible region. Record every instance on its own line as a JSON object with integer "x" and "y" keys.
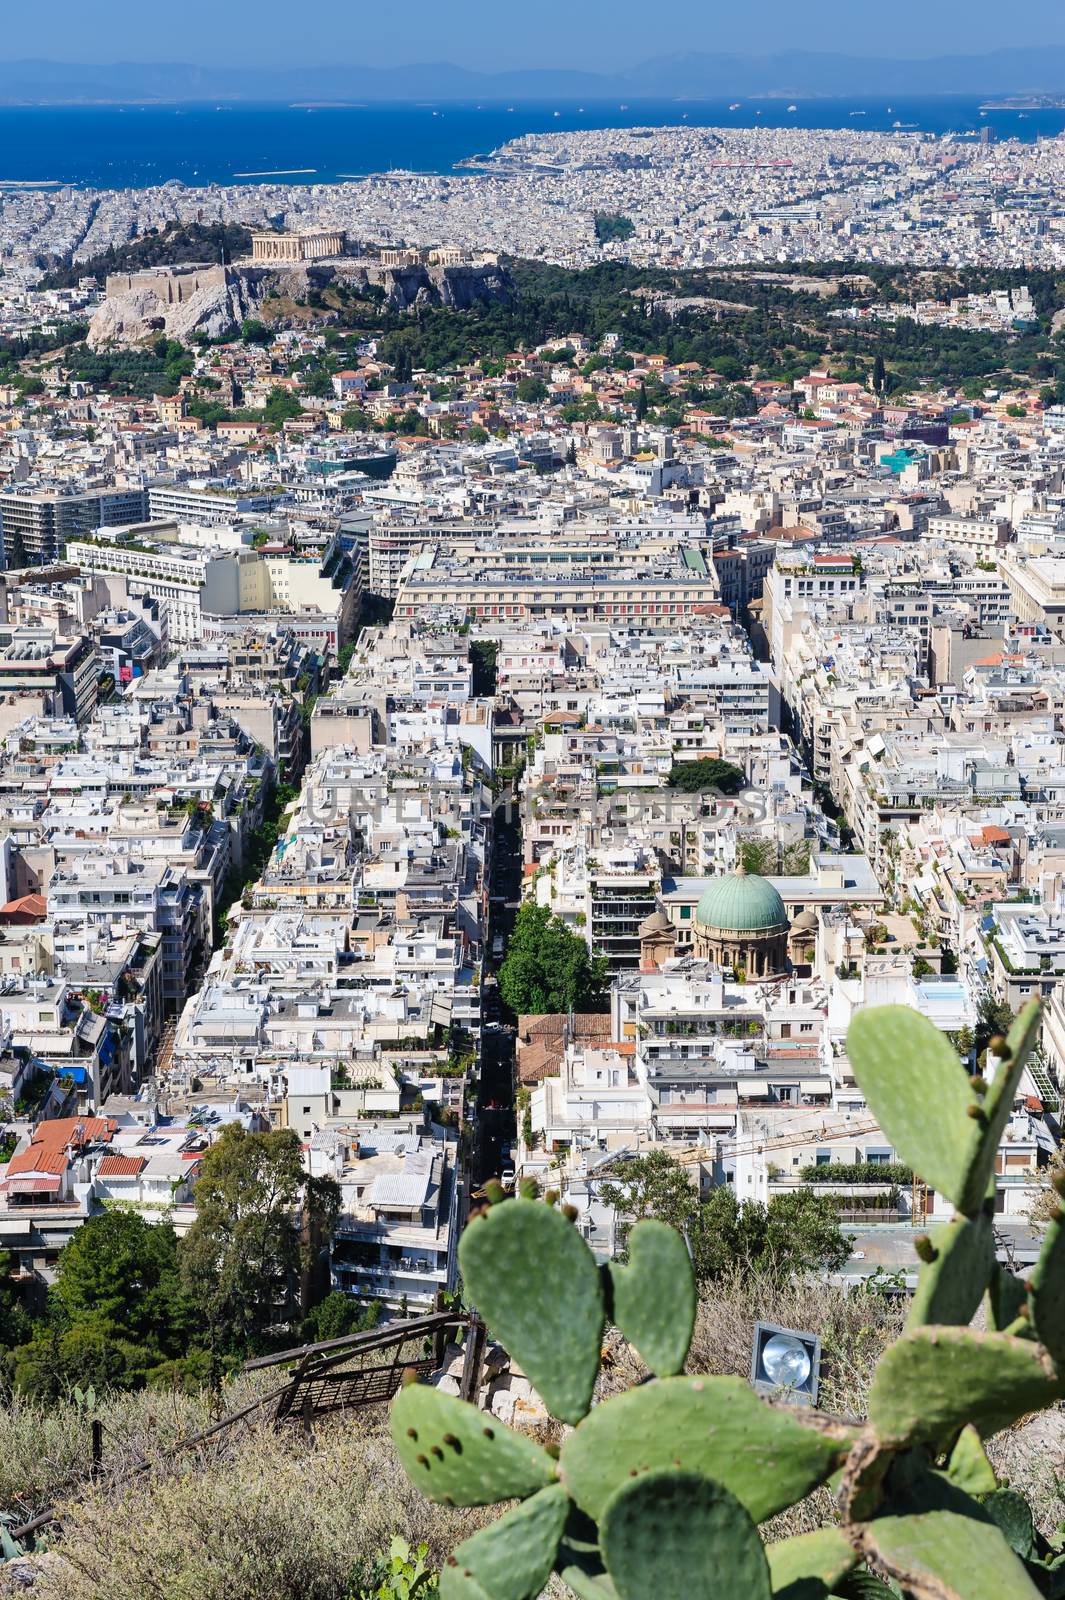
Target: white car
{"x": 507, "y": 1178}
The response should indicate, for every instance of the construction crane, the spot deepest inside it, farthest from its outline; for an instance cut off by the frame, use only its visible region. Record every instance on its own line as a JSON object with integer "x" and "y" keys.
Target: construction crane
{"x": 690, "y": 1156}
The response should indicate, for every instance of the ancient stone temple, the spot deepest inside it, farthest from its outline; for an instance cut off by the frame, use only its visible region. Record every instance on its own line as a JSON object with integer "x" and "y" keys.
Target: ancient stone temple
{"x": 278, "y": 248}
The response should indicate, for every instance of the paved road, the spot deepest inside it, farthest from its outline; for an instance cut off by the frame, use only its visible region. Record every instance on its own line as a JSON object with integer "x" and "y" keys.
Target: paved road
{"x": 495, "y": 1101}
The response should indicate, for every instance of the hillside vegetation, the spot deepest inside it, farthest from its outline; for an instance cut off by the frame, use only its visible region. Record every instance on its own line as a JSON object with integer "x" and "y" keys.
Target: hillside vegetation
{"x": 264, "y": 1515}
{"x": 182, "y": 241}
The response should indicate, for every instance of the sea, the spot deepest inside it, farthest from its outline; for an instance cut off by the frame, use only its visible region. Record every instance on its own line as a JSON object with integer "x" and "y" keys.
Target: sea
{"x": 138, "y": 146}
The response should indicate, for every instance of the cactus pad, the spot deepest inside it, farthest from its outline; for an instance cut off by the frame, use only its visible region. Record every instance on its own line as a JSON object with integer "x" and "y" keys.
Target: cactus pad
{"x": 654, "y": 1296}
{"x": 934, "y": 1380}
{"x": 512, "y": 1558}
{"x": 809, "y": 1566}
{"x": 998, "y": 1104}
{"x": 713, "y": 1426}
{"x": 951, "y": 1286}
{"x": 537, "y": 1284}
{"x": 968, "y": 1467}
{"x": 1046, "y": 1291}
{"x": 1012, "y": 1516}
{"x": 1006, "y": 1295}
{"x": 459, "y": 1455}
{"x": 861, "y": 1585}
{"x": 678, "y": 1536}
{"x": 918, "y": 1091}
{"x": 943, "y": 1556}
{"x": 586, "y": 1582}
{"x": 579, "y": 1563}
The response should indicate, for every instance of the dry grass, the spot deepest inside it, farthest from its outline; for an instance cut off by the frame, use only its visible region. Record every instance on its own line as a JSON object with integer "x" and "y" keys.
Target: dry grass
{"x": 854, "y": 1330}
{"x": 263, "y": 1515}
{"x": 46, "y": 1448}
{"x": 282, "y": 308}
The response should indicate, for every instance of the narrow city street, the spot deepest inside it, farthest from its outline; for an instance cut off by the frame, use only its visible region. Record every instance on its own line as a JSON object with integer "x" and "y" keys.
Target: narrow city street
{"x": 495, "y": 1099}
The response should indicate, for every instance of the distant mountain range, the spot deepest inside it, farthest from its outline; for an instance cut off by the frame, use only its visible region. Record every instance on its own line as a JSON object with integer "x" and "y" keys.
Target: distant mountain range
{"x": 686, "y": 76}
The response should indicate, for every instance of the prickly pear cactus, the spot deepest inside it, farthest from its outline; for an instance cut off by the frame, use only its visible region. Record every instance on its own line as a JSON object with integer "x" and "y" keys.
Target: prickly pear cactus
{"x": 537, "y": 1285}
{"x": 652, "y": 1296}
{"x": 656, "y": 1494}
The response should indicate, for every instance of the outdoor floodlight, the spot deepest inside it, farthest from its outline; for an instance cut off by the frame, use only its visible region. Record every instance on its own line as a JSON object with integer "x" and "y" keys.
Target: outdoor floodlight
{"x": 785, "y": 1362}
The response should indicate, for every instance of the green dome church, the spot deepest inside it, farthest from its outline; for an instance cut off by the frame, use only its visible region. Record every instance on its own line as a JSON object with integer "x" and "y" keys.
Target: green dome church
{"x": 741, "y": 922}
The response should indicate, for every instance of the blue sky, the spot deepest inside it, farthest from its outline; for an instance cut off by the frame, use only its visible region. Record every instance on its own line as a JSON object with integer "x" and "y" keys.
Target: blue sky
{"x": 510, "y": 33}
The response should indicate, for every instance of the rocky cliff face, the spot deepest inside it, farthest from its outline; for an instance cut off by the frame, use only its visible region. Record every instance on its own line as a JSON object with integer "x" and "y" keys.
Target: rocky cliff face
{"x": 139, "y": 315}
{"x": 460, "y": 287}
{"x": 131, "y": 318}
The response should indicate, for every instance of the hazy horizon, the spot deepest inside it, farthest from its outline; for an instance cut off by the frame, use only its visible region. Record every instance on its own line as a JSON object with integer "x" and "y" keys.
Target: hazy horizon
{"x": 600, "y": 35}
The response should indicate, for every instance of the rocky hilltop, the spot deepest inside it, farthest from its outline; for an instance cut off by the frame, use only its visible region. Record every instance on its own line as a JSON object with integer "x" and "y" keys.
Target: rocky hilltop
{"x": 182, "y": 301}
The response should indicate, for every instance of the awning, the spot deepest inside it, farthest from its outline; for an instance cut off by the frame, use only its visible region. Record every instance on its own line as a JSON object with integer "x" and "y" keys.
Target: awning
{"x": 816, "y": 1085}
{"x": 41, "y": 1184}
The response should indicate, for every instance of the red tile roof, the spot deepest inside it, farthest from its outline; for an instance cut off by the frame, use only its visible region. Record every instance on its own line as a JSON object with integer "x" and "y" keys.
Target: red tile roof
{"x": 122, "y": 1166}
{"x": 35, "y": 1159}
{"x": 27, "y": 908}
{"x": 994, "y": 835}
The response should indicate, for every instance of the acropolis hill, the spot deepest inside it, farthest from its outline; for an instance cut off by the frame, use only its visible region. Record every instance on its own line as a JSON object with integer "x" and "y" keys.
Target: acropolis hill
{"x": 209, "y": 297}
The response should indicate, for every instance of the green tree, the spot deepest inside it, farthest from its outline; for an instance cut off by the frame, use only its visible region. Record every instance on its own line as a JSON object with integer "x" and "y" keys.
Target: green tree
{"x": 62, "y": 1354}
{"x": 340, "y": 1314}
{"x": 116, "y": 1313}
{"x": 317, "y": 382}
{"x": 280, "y": 405}
{"x": 549, "y": 969}
{"x": 795, "y": 859}
{"x": 758, "y": 855}
{"x": 252, "y": 331}
{"x": 240, "y": 1259}
{"x": 879, "y": 374}
{"x": 14, "y": 1323}
{"x": 483, "y": 654}
{"x": 693, "y": 777}
{"x": 993, "y": 1017}
{"x": 532, "y": 390}
{"x": 641, "y": 402}
{"x": 121, "y": 1273}
{"x": 797, "y": 1232}
{"x": 612, "y": 225}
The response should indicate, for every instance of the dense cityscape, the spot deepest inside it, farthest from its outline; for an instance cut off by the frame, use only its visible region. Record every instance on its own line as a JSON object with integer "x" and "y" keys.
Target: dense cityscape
{"x": 694, "y": 196}
{"x": 498, "y": 672}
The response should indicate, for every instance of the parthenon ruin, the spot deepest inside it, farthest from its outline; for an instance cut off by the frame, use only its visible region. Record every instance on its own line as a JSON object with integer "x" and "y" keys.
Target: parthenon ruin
{"x": 318, "y": 246}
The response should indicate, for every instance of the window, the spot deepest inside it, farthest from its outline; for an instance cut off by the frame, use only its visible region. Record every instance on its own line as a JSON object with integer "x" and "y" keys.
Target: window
{"x": 823, "y": 1158}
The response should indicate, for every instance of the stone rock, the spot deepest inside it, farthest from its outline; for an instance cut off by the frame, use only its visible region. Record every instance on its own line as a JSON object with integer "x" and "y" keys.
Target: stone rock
{"x": 138, "y": 315}
{"x": 502, "y": 1406}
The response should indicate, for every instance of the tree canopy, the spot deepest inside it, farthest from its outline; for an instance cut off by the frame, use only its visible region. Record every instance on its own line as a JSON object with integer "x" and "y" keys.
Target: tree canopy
{"x": 117, "y": 1313}
{"x": 797, "y": 1232}
{"x": 123, "y": 1271}
{"x": 241, "y": 1257}
{"x": 693, "y": 777}
{"x": 548, "y": 968}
